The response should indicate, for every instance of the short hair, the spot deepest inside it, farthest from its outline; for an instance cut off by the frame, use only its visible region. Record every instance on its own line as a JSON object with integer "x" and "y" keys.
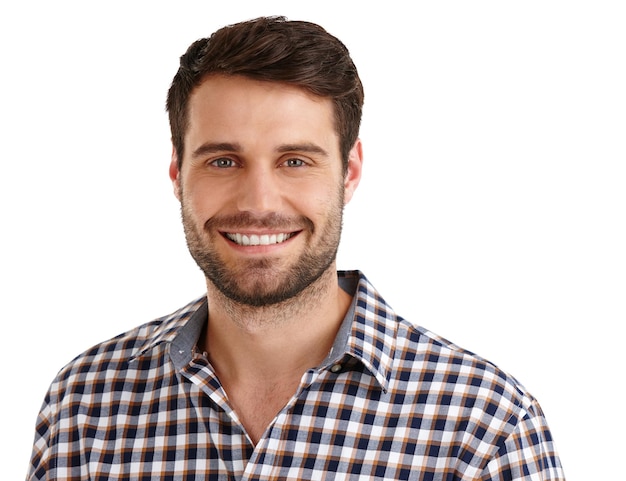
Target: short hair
{"x": 298, "y": 53}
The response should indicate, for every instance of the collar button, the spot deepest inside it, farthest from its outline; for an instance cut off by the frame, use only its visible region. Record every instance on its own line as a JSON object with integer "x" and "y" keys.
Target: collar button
{"x": 335, "y": 368}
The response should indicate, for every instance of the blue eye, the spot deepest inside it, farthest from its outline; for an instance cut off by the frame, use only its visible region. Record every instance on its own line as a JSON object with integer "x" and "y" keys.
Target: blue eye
{"x": 223, "y": 162}
{"x": 294, "y": 163}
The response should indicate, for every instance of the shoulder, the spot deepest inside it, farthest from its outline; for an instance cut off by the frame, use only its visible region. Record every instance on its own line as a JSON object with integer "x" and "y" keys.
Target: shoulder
{"x": 454, "y": 379}
{"x": 498, "y": 426}
{"x": 119, "y": 352}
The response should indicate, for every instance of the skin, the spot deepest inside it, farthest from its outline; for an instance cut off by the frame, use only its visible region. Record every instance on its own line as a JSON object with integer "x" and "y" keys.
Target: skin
{"x": 261, "y": 160}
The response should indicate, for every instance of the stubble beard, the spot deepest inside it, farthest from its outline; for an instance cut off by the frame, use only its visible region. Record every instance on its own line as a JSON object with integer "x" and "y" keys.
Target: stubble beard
{"x": 264, "y": 283}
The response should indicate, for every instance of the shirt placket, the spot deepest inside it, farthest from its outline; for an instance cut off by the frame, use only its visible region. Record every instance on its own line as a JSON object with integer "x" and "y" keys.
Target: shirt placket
{"x": 201, "y": 374}
{"x": 266, "y": 460}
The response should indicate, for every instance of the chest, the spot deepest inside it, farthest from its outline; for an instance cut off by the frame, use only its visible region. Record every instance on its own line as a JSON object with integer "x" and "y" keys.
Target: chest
{"x": 335, "y": 426}
{"x": 256, "y": 405}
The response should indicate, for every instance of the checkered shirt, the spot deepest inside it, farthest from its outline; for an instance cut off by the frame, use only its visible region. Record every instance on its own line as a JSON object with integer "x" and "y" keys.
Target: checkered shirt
{"x": 392, "y": 401}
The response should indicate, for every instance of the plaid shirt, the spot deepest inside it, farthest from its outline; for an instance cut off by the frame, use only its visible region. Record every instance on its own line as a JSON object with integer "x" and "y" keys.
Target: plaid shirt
{"x": 391, "y": 401}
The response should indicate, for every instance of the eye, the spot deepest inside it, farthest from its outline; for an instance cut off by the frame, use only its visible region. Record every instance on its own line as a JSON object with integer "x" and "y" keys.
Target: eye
{"x": 294, "y": 163}
{"x": 222, "y": 163}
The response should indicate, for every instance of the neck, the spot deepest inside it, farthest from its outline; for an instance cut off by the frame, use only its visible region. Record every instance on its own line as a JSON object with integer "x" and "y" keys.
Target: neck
{"x": 289, "y": 337}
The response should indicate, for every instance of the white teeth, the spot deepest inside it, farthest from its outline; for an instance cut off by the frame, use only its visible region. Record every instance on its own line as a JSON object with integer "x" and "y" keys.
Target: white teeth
{"x": 256, "y": 240}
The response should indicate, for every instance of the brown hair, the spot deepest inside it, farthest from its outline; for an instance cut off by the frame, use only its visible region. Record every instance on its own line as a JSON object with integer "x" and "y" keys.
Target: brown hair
{"x": 273, "y": 49}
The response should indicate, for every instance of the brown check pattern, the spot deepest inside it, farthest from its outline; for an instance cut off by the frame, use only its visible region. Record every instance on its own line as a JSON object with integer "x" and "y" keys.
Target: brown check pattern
{"x": 392, "y": 401}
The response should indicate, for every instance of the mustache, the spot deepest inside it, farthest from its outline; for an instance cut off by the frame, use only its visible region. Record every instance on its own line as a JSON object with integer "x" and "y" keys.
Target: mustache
{"x": 273, "y": 220}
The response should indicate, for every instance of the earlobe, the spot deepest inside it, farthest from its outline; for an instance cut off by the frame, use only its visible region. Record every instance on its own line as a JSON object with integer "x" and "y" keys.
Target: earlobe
{"x": 175, "y": 173}
{"x": 353, "y": 174}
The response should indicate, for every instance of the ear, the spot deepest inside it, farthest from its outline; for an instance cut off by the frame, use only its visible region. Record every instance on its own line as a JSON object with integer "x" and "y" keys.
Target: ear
{"x": 175, "y": 174}
{"x": 353, "y": 174}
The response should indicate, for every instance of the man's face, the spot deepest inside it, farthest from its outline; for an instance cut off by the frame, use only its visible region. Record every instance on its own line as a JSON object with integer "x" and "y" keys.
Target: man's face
{"x": 262, "y": 188}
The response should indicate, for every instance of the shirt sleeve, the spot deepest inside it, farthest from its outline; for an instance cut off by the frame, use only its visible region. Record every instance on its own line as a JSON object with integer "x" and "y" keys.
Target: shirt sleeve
{"x": 528, "y": 453}
{"x": 37, "y": 468}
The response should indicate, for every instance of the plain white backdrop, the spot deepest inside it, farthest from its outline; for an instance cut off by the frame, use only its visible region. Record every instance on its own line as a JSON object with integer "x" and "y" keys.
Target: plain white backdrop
{"x": 492, "y": 208}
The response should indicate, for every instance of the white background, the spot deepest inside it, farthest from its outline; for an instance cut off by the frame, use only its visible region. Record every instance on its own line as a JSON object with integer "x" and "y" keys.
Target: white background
{"x": 492, "y": 208}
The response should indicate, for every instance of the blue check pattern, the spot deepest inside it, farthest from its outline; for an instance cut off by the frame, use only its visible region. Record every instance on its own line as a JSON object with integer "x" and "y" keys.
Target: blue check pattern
{"x": 392, "y": 401}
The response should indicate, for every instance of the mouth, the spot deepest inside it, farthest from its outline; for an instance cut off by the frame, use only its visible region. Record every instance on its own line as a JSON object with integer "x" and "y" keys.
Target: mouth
{"x": 259, "y": 239}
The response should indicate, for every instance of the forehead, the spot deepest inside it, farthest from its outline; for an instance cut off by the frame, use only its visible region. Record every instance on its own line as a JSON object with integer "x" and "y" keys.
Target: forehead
{"x": 238, "y": 105}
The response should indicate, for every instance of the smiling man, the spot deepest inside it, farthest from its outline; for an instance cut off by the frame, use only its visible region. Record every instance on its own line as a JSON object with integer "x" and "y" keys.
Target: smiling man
{"x": 262, "y": 188}
{"x": 286, "y": 369}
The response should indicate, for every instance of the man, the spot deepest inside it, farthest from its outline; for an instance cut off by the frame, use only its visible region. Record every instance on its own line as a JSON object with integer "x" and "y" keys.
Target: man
{"x": 287, "y": 369}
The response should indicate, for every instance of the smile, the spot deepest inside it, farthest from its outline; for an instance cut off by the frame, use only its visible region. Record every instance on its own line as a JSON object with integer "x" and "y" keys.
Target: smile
{"x": 259, "y": 240}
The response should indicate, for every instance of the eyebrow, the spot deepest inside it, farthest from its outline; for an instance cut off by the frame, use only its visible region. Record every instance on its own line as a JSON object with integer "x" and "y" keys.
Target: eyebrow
{"x": 306, "y": 147}
{"x": 214, "y": 147}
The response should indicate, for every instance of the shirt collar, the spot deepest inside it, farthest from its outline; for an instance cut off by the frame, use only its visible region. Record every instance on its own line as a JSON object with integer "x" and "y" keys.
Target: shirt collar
{"x": 180, "y": 330}
{"x": 367, "y": 333}
{"x": 372, "y": 328}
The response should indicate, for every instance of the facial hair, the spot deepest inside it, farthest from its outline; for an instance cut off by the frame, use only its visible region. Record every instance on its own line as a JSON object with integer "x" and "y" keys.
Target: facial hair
{"x": 266, "y": 281}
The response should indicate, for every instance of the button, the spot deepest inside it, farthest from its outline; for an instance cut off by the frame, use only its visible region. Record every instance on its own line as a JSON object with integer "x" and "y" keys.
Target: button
{"x": 336, "y": 368}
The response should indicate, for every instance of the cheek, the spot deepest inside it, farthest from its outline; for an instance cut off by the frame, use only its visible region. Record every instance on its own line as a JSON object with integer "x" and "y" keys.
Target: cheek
{"x": 314, "y": 197}
{"x": 195, "y": 208}
{"x": 201, "y": 197}
{"x": 327, "y": 202}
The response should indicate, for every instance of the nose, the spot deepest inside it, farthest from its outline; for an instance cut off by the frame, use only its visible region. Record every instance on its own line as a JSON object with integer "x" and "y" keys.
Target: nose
{"x": 259, "y": 191}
